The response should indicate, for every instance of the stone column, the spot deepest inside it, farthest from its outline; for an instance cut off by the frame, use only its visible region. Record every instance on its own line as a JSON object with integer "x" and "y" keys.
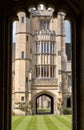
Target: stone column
{"x": 3, "y": 74}
{"x": 34, "y": 105}
{"x": 5, "y": 69}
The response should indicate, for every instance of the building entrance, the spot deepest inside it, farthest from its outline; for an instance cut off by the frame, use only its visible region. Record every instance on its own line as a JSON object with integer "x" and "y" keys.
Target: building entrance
{"x": 44, "y": 104}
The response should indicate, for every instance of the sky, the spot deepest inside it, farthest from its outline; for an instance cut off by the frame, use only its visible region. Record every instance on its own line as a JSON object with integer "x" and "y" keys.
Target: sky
{"x": 14, "y": 31}
{"x": 67, "y": 31}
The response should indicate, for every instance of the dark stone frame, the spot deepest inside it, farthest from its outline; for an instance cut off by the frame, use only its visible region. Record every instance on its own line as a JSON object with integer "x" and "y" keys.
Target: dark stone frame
{"x": 6, "y": 53}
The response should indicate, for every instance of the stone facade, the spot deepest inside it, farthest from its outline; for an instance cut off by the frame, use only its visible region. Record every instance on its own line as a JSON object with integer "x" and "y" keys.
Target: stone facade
{"x": 40, "y": 65}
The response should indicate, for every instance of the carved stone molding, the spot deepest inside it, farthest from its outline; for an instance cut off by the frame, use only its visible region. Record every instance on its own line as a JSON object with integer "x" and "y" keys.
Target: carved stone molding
{"x": 45, "y": 82}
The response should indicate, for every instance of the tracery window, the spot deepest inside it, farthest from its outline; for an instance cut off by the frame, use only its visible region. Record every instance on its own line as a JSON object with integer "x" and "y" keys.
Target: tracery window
{"x": 45, "y": 71}
{"x": 45, "y": 47}
{"x": 44, "y": 25}
{"x": 22, "y": 19}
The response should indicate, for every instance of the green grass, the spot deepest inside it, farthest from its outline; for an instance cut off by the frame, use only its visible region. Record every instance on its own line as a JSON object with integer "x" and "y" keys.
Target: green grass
{"x": 43, "y": 110}
{"x": 42, "y": 122}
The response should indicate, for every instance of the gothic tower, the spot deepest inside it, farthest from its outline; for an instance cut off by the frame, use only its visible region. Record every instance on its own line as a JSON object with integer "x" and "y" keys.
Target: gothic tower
{"x": 41, "y": 66}
{"x": 22, "y": 57}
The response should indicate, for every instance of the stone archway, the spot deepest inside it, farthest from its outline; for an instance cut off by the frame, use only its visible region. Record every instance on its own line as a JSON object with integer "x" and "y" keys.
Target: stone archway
{"x": 50, "y": 97}
{"x": 45, "y": 109}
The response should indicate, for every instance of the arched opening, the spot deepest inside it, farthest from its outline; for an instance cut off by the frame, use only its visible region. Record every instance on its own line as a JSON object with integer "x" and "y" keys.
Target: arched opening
{"x": 44, "y": 104}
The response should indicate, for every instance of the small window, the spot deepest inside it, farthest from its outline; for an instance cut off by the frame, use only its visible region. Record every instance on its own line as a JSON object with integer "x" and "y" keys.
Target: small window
{"x": 44, "y": 25}
{"x": 22, "y": 98}
{"x": 30, "y": 50}
{"x": 26, "y": 80}
{"x": 27, "y": 38}
{"x": 22, "y": 54}
{"x": 22, "y": 19}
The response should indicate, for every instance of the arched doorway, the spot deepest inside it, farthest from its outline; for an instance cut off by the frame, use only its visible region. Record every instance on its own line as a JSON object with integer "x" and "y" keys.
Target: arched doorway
{"x": 44, "y": 104}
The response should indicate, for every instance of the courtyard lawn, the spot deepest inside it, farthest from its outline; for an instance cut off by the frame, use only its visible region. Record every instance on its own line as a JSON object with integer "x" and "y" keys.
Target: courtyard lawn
{"x": 42, "y": 122}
